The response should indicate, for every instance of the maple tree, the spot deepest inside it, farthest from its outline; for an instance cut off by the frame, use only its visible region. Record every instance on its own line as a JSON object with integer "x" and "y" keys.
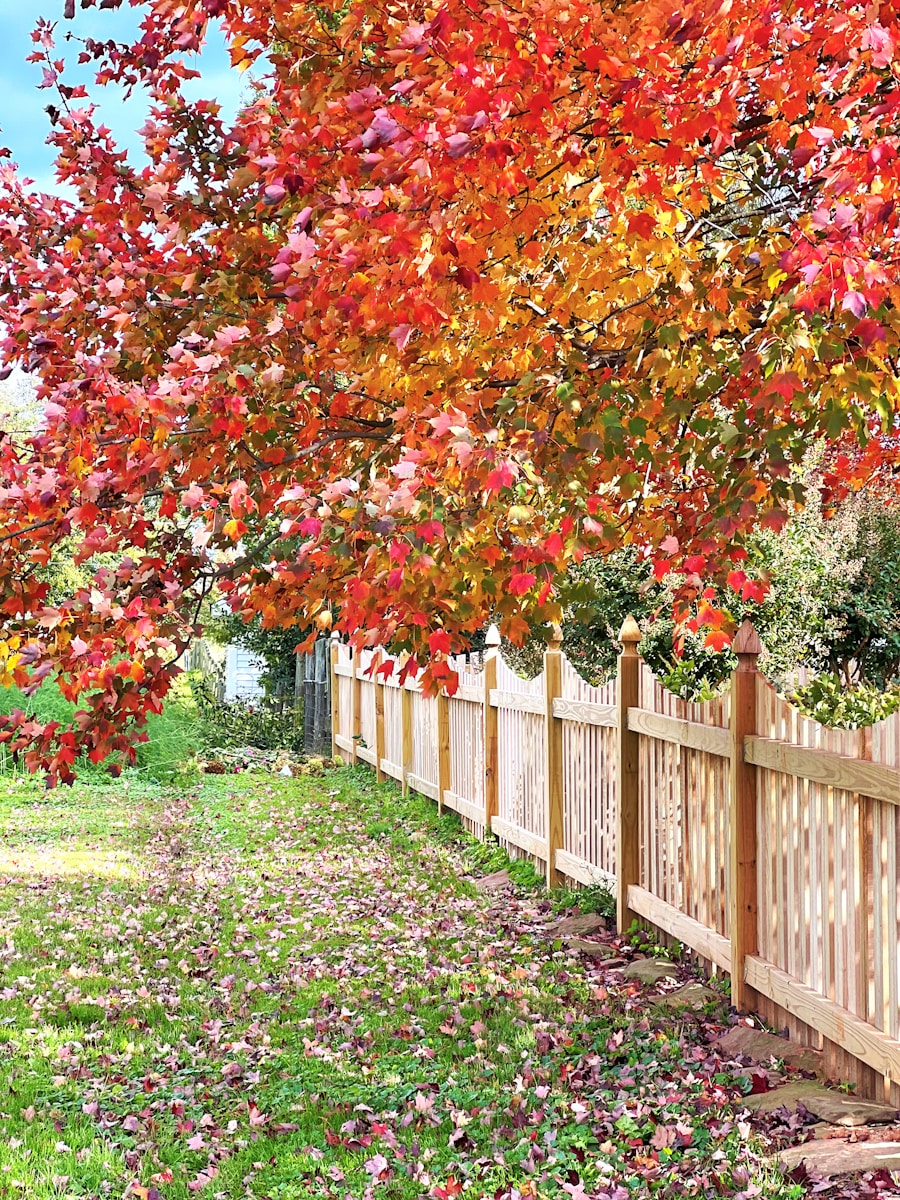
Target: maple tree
{"x": 464, "y": 293}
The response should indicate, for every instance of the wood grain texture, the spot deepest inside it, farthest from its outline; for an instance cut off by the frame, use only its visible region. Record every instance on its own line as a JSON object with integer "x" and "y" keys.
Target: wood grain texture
{"x": 344, "y": 669}
{"x": 824, "y": 766}
{"x": 708, "y": 942}
{"x": 690, "y": 734}
{"x": 581, "y": 870}
{"x": 522, "y": 756}
{"x": 743, "y": 915}
{"x": 628, "y": 832}
{"x": 425, "y": 786}
{"x": 872, "y": 1046}
{"x": 467, "y": 769}
{"x": 443, "y": 747}
{"x": 518, "y": 702}
{"x": 529, "y": 842}
{"x": 490, "y": 740}
{"x": 367, "y": 754}
{"x": 464, "y": 807}
{"x": 585, "y": 712}
{"x": 406, "y": 735}
{"x": 378, "y": 684}
{"x": 344, "y": 743}
{"x": 334, "y": 658}
{"x": 589, "y": 773}
{"x": 553, "y": 765}
{"x": 356, "y": 720}
{"x": 392, "y": 769}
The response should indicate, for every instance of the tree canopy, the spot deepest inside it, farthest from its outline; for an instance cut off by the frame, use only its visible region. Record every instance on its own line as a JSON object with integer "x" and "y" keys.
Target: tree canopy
{"x": 467, "y": 291}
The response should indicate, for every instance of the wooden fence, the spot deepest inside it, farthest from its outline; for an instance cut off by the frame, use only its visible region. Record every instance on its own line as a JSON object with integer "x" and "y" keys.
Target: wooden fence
{"x": 763, "y": 841}
{"x": 313, "y": 685}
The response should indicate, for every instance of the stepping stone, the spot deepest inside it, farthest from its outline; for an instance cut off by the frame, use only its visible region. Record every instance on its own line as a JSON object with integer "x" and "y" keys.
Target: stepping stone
{"x": 650, "y": 970}
{"x": 580, "y": 926}
{"x": 839, "y": 1157}
{"x": 494, "y": 882}
{"x": 833, "y": 1107}
{"x": 692, "y": 995}
{"x": 743, "y": 1042}
{"x": 582, "y": 946}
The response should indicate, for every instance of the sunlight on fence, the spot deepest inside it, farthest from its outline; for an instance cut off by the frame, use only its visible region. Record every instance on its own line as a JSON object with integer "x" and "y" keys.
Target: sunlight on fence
{"x": 763, "y": 841}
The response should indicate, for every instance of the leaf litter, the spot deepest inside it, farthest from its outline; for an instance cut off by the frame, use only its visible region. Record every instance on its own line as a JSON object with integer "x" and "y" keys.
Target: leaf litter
{"x": 293, "y": 993}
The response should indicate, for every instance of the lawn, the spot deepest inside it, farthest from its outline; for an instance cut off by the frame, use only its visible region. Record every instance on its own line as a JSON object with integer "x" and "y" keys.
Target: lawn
{"x": 280, "y": 988}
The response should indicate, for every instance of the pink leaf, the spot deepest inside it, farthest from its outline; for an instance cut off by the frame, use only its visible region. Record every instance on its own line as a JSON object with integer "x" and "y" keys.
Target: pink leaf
{"x": 855, "y": 302}
{"x": 400, "y": 336}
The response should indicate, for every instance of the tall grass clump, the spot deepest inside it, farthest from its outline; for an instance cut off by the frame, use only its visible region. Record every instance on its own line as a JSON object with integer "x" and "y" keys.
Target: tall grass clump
{"x": 172, "y": 735}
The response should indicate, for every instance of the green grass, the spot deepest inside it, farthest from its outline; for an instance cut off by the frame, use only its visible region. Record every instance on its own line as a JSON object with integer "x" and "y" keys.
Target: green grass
{"x": 283, "y": 989}
{"x": 173, "y": 735}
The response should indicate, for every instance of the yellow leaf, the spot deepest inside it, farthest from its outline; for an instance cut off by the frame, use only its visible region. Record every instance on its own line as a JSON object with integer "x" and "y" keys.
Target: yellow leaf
{"x": 234, "y": 529}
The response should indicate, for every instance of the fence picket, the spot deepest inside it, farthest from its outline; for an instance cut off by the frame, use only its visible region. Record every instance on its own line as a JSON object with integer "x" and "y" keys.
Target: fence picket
{"x": 765, "y": 842}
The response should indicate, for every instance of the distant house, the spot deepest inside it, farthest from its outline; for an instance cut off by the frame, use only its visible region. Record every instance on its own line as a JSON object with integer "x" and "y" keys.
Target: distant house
{"x": 233, "y": 672}
{"x": 243, "y": 672}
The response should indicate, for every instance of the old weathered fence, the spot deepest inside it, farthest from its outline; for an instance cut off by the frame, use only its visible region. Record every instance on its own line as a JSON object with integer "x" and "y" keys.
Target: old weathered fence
{"x": 763, "y": 841}
{"x": 313, "y": 684}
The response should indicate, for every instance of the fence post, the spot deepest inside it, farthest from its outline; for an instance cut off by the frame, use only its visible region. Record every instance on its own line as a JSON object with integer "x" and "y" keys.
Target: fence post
{"x": 628, "y": 839}
{"x": 356, "y": 694}
{"x": 491, "y": 795}
{"x": 443, "y": 746}
{"x": 553, "y": 763}
{"x": 406, "y": 731}
{"x": 868, "y": 1081}
{"x": 378, "y": 681}
{"x": 309, "y": 700}
{"x": 743, "y": 914}
{"x": 335, "y": 693}
{"x": 323, "y": 675}
{"x": 310, "y": 731}
{"x": 299, "y": 681}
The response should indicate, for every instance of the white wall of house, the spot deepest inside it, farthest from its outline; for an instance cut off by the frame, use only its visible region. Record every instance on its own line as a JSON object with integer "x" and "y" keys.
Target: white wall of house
{"x": 242, "y": 674}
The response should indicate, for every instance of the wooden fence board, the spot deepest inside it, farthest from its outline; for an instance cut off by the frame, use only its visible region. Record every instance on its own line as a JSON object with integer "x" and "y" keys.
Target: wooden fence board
{"x": 392, "y": 769}
{"x": 518, "y": 702}
{"x": 879, "y": 1050}
{"x": 471, "y": 812}
{"x": 585, "y": 712}
{"x": 425, "y": 786}
{"x": 822, "y": 766}
{"x": 690, "y": 734}
{"x": 665, "y": 916}
{"x": 824, "y": 813}
{"x": 525, "y": 840}
{"x": 581, "y": 870}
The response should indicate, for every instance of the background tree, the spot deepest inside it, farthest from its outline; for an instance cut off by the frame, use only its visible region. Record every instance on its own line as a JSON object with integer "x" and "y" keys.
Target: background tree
{"x": 460, "y": 298}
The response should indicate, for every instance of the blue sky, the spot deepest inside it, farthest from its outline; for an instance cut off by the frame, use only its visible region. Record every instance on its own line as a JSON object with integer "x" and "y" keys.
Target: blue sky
{"x": 24, "y": 124}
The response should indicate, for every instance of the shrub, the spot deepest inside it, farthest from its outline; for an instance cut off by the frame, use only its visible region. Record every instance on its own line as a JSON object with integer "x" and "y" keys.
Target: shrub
{"x": 234, "y": 724}
{"x": 830, "y": 702}
{"x": 834, "y": 603}
{"x": 696, "y": 673}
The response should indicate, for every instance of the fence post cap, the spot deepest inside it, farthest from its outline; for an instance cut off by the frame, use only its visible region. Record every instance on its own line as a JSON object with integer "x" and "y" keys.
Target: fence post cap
{"x": 630, "y": 633}
{"x": 335, "y": 636}
{"x": 493, "y": 636}
{"x": 556, "y": 637}
{"x": 747, "y": 640}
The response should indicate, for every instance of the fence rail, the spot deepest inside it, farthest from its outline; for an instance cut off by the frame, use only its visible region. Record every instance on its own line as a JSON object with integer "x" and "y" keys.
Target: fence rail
{"x": 763, "y": 841}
